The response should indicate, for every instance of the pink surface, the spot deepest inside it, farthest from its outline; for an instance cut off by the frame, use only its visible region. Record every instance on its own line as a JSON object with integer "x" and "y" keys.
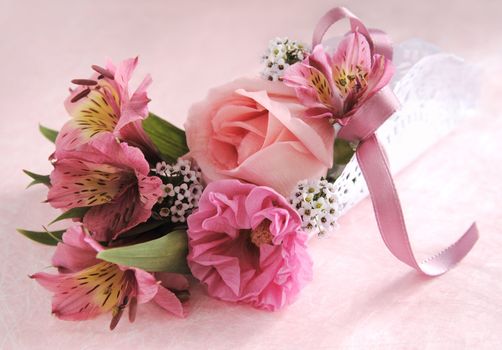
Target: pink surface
{"x": 355, "y": 301}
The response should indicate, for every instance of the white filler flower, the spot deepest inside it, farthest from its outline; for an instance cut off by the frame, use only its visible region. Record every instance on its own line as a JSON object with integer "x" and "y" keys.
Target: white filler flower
{"x": 182, "y": 190}
{"x": 317, "y": 204}
{"x": 281, "y": 54}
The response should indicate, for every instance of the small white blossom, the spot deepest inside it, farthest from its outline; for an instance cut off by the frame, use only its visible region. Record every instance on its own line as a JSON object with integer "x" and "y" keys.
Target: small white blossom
{"x": 281, "y": 54}
{"x": 317, "y": 204}
{"x": 179, "y": 208}
{"x": 164, "y": 212}
{"x": 182, "y": 189}
{"x": 196, "y": 191}
{"x": 178, "y": 218}
{"x": 168, "y": 190}
{"x": 161, "y": 168}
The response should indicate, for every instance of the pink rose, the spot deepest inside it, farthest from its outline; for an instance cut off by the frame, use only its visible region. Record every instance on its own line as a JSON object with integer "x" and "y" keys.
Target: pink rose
{"x": 246, "y": 245}
{"x": 254, "y": 130}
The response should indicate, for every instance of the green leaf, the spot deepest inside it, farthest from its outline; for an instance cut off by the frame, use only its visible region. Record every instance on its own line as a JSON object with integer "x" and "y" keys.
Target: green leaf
{"x": 165, "y": 254}
{"x": 342, "y": 153}
{"x": 49, "y": 134}
{"x": 44, "y": 237}
{"x": 71, "y": 214}
{"x": 142, "y": 228}
{"x": 169, "y": 140}
{"x": 38, "y": 179}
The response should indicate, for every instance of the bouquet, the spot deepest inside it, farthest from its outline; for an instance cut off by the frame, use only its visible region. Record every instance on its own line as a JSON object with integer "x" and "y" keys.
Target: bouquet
{"x": 263, "y": 165}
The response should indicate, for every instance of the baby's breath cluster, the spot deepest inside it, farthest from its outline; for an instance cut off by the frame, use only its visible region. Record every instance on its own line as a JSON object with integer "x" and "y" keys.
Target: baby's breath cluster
{"x": 182, "y": 187}
{"x": 281, "y": 53}
{"x": 317, "y": 204}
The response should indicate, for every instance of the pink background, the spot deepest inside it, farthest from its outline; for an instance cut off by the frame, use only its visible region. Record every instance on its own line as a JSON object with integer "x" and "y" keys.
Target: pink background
{"x": 361, "y": 296}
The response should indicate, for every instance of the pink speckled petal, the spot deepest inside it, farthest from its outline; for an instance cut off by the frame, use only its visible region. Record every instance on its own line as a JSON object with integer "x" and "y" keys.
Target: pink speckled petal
{"x": 74, "y": 253}
{"x": 169, "y": 302}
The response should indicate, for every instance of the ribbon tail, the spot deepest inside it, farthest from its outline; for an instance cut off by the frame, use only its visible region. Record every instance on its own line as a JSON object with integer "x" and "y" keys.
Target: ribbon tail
{"x": 389, "y": 214}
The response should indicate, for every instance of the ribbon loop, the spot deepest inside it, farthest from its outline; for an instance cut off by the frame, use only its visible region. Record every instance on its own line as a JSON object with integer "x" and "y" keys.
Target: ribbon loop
{"x": 378, "y": 40}
{"x": 334, "y": 15}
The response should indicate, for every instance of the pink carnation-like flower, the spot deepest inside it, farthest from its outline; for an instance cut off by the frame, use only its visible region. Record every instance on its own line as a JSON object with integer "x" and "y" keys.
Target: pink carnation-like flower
{"x": 254, "y": 130}
{"x": 334, "y": 86}
{"x": 111, "y": 178}
{"x": 86, "y": 287}
{"x": 103, "y": 104}
{"x": 246, "y": 245}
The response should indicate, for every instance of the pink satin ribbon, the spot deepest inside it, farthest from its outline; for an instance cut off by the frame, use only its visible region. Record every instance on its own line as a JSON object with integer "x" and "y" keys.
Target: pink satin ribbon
{"x": 374, "y": 164}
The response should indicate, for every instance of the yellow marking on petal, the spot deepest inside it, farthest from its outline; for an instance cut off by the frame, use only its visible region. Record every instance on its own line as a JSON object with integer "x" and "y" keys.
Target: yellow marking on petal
{"x": 94, "y": 114}
{"x": 101, "y": 185}
{"x": 319, "y": 82}
{"x": 349, "y": 80}
{"x": 104, "y": 283}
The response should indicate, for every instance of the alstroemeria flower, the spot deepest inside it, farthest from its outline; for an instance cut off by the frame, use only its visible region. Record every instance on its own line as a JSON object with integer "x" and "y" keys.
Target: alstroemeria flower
{"x": 334, "y": 86}
{"x": 111, "y": 178}
{"x": 103, "y": 104}
{"x": 86, "y": 287}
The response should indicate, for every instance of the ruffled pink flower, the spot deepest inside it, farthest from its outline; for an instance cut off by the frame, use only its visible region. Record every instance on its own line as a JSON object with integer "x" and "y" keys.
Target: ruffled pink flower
{"x": 86, "y": 287}
{"x": 111, "y": 178}
{"x": 246, "y": 245}
{"x": 254, "y": 130}
{"x": 334, "y": 86}
{"x": 104, "y": 104}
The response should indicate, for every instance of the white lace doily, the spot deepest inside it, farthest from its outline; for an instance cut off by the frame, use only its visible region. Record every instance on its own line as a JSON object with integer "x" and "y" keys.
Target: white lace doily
{"x": 436, "y": 91}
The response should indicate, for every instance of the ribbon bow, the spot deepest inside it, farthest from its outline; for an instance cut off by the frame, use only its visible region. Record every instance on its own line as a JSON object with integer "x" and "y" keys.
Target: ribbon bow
{"x": 374, "y": 164}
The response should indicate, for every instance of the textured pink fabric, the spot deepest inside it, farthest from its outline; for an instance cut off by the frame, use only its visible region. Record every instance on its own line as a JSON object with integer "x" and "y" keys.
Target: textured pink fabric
{"x": 382, "y": 304}
{"x": 246, "y": 245}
